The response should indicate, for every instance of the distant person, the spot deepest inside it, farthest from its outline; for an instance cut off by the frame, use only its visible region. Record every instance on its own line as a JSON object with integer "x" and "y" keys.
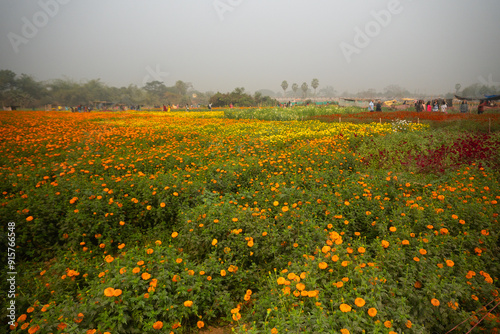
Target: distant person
{"x": 370, "y": 106}
{"x": 464, "y": 107}
{"x": 378, "y": 107}
{"x": 435, "y": 106}
{"x": 210, "y": 106}
{"x": 444, "y": 107}
{"x": 428, "y": 105}
{"x": 231, "y": 105}
{"x": 482, "y": 105}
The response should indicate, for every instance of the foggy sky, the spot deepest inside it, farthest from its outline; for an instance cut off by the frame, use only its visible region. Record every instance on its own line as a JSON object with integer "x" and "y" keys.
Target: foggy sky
{"x": 425, "y": 46}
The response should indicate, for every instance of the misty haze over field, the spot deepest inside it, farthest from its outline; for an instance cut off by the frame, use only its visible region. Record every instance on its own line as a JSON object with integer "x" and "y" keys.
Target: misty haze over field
{"x": 422, "y": 45}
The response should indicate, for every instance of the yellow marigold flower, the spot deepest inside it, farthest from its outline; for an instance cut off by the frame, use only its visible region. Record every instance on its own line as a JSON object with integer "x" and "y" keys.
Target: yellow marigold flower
{"x": 223, "y": 272}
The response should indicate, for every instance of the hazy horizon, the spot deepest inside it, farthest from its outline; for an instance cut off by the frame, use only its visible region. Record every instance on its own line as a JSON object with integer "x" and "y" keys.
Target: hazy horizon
{"x": 423, "y": 46}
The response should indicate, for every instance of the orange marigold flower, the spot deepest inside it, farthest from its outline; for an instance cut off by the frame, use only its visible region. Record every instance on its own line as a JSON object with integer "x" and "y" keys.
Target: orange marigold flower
{"x": 450, "y": 263}
{"x": 200, "y": 324}
{"x": 408, "y": 324}
{"x": 158, "y": 325}
{"x": 385, "y": 243}
{"x": 145, "y": 276}
{"x": 175, "y": 234}
{"x": 149, "y": 251}
{"x": 372, "y": 312}
{"x": 179, "y": 260}
{"x": 422, "y": 251}
{"x": 188, "y": 303}
{"x": 108, "y": 292}
{"x": 136, "y": 270}
{"x": 274, "y": 331}
{"x": 300, "y": 286}
{"x": 388, "y": 324}
{"x": 360, "y": 302}
{"x": 392, "y": 229}
{"x": 109, "y": 259}
{"x": 322, "y": 265}
{"x": 21, "y": 318}
{"x": 361, "y": 250}
{"x": 344, "y": 331}
{"x": 117, "y": 292}
{"x": 435, "y": 302}
{"x": 223, "y": 272}
{"x": 33, "y": 329}
{"x": 345, "y": 308}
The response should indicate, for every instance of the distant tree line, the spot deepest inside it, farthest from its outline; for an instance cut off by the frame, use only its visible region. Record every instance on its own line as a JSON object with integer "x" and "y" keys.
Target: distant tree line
{"x": 25, "y": 92}
{"x": 238, "y": 98}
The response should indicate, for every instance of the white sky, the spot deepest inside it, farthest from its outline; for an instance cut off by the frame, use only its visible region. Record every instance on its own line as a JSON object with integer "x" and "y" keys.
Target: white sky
{"x": 425, "y": 46}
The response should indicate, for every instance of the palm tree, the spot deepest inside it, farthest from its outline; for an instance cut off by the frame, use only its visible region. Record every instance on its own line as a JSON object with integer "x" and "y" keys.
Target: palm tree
{"x": 304, "y": 88}
{"x": 284, "y": 85}
{"x": 295, "y": 88}
{"x": 315, "y": 84}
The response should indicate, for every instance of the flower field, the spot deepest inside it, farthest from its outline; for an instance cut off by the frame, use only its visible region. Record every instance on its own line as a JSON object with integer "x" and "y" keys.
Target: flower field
{"x": 153, "y": 222}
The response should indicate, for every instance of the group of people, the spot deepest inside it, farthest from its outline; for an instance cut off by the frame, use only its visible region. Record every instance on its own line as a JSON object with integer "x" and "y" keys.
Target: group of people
{"x": 434, "y": 106}
{"x": 378, "y": 106}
